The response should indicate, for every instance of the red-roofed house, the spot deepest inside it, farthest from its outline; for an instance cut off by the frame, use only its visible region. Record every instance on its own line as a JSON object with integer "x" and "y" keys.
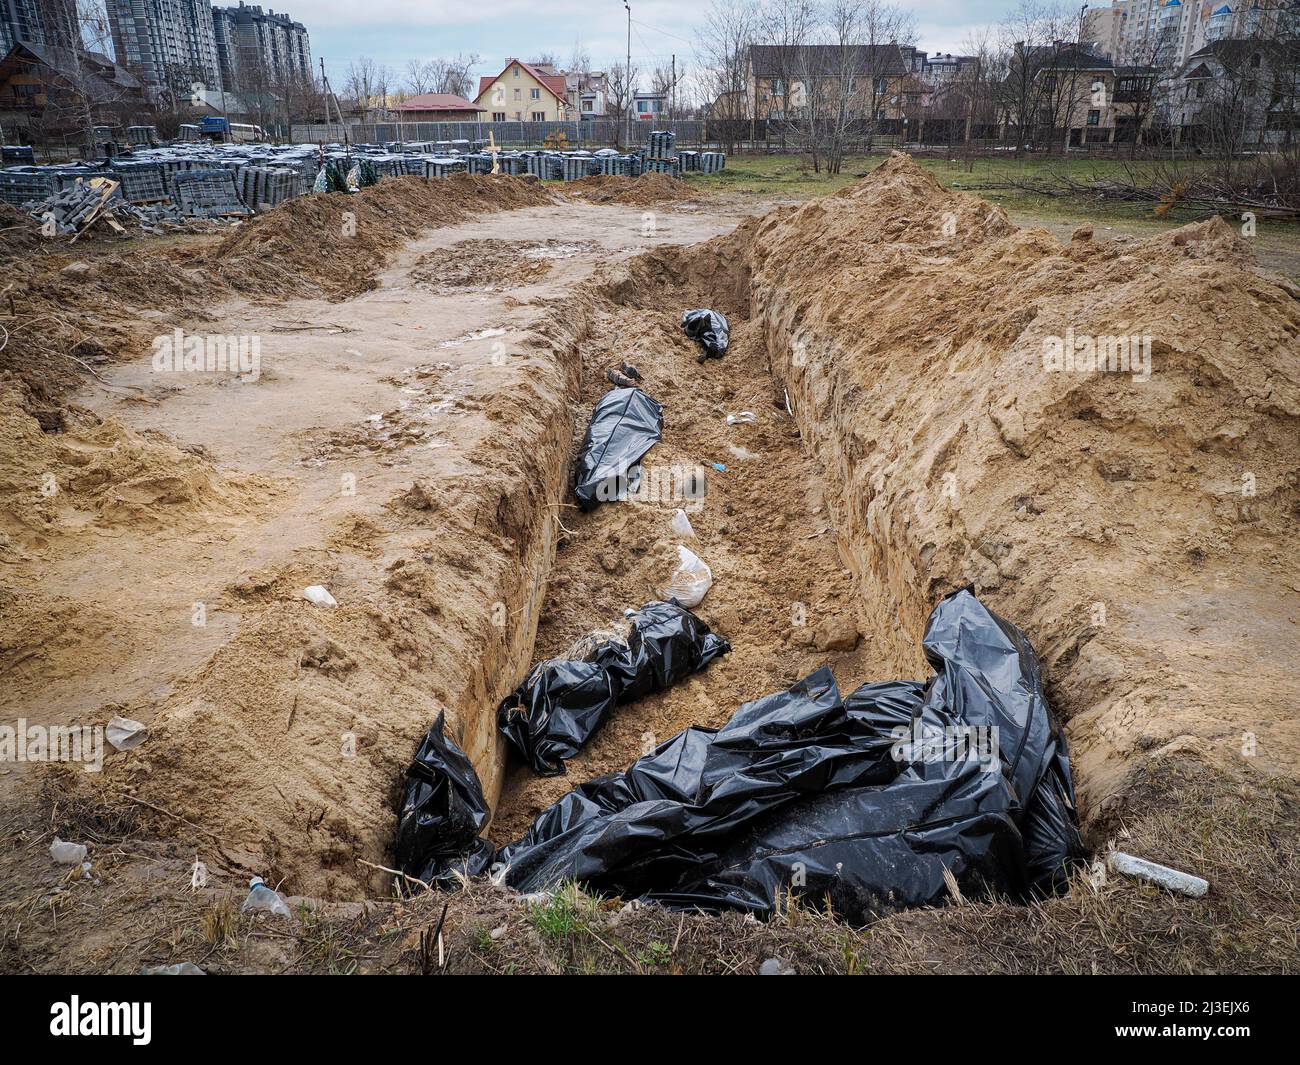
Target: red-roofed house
{"x": 523, "y": 93}
{"x": 437, "y": 107}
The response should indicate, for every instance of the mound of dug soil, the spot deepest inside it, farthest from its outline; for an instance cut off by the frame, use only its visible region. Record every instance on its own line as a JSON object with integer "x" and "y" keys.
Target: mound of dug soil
{"x": 1137, "y": 522}
{"x": 18, "y": 234}
{"x": 333, "y": 243}
{"x": 644, "y": 191}
{"x": 69, "y": 308}
{"x": 102, "y": 474}
{"x": 492, "y": 265}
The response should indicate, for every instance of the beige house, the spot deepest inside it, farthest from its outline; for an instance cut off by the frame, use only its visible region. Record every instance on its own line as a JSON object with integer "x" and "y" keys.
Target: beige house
{"x": 783, "y": 81}
{"x": 522, "y": 93}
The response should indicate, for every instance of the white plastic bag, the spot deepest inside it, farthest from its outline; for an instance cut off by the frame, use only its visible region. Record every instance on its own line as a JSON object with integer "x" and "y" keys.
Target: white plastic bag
{"x": 681, "y": 524}
{"x": 319, "y": 595}
{"x": 123, "y": 733}
{"x": 691, "y": 580}
{"x": 67, "y": 853}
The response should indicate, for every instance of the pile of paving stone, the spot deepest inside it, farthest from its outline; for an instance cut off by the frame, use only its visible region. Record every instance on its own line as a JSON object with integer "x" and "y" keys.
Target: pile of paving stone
{"x": 185, "y": 180}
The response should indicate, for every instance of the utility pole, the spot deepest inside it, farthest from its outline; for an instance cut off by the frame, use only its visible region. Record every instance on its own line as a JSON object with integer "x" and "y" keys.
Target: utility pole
{"x": 329, "y": 95}
{"x": 627, "y": 75}
{"x": 672, "y": 99}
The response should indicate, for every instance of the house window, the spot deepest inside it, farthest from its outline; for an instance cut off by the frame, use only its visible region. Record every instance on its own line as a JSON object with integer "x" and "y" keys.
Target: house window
{"x": 516, "y": 72}
{"x": 518, "y": 94}
{"x": 778, "y": 87}
{"x": 1051, "y": 83}
{"x": 1094, "y": 118}
{"x": 586, "y": 105}
{"x": 539, "y": 116}
{"x": 641, "y": 106}
{"x": 498, "y": 116}
{"x": 535, "y": 94}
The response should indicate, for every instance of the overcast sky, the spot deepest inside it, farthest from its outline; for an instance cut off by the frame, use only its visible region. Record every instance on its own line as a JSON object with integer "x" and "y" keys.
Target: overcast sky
{"x": 394, "y": 31}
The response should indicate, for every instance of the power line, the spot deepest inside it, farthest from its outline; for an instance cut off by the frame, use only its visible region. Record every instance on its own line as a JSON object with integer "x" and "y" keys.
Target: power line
{"x": 664, "y": 32}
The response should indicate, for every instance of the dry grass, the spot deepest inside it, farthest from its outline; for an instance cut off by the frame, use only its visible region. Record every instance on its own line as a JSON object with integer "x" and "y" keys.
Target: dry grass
{"x": 1238, "y": 833}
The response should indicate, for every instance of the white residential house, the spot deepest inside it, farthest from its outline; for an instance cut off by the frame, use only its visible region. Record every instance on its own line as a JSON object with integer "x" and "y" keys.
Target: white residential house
{"x": 650, "y": 106}
{"x": 588, "y": 93}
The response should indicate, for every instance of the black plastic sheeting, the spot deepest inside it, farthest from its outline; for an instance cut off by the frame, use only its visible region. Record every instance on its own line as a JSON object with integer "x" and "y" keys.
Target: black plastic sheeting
{"x": 625, "y": 424}
{"x": 561, "y": 702}
{"x": 710, "y": 329}
{"x": 443, "y": 812}
{"x": 864, "y": 800}
{"x": 859, "y": 802}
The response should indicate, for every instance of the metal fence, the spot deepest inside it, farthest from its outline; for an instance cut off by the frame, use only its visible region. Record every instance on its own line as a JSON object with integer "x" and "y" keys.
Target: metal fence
{"x": 597, "y": 133}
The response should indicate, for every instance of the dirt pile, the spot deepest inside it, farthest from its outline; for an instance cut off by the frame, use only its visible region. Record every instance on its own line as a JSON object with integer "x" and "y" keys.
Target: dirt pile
{"x": 492, "y": 265}
{"x": 102, "y": 475}
{"x": 68, "y": 309}
{"x": 1138, "y": 523}
{"x": 286, "y": 741}
{"x": 333, "y": 243}
{"x": 644, "y": 191}
{"x": 19, "y": 234}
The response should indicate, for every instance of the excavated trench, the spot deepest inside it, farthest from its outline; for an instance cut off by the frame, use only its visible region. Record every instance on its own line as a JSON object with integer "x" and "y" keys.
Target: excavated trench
{"x": 906, "y": 442}
{"x": 782, "y": 593}
{"x": 909, "y": 439}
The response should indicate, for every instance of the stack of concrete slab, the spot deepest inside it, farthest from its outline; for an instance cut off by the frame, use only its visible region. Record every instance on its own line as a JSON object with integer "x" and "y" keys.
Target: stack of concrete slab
{"x": 207, "y": 194}
{"x": 142, "y": 182}
{"x": 444, "y": 166}
{"x": 712, "y": 162}
{"x": 266, "y": 186}
{"x": 661, "y": 144}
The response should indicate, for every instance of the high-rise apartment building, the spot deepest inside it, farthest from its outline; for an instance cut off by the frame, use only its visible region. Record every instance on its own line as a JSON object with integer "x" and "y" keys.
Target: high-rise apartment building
{"x": 259, "y": 48}
{"x": 41, "y": 22}
{"x": 1166, "y": 33}
{"x": 167, "y": 43}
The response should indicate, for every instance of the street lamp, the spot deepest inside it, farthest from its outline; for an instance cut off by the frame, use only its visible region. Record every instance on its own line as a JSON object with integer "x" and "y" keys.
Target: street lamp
{"x": 627, "y": 74}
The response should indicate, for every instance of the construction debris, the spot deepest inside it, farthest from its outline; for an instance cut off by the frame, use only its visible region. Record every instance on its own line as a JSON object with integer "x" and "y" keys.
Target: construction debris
{"x": 65, "y": 853}
{"x": 171, "y": 187}
{"x": 124, "y": 733}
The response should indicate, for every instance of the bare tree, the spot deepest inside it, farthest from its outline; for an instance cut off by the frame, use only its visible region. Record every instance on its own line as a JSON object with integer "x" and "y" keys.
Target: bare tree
{"x": 367, "y": 83}
{"x": 421, "y": 76}
{"x": 830, "y": 71}
{"x": 786, "y": 31}
{"x": 79, "y": 96}
{"x": 730, "y": 28}
{"x": 620, "y": 88}
{"x": 1025, "y": 39}
{"x": 1141, "y": 92}
{"x": 456, "y": 75}
{"x": 580, "y": 60}
{"x": 882, "y": 26}
{"x": 973, "y": 95}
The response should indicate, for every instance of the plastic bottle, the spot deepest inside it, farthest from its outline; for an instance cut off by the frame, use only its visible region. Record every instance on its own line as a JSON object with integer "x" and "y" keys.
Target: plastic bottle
{"x": 261, "y": 897}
